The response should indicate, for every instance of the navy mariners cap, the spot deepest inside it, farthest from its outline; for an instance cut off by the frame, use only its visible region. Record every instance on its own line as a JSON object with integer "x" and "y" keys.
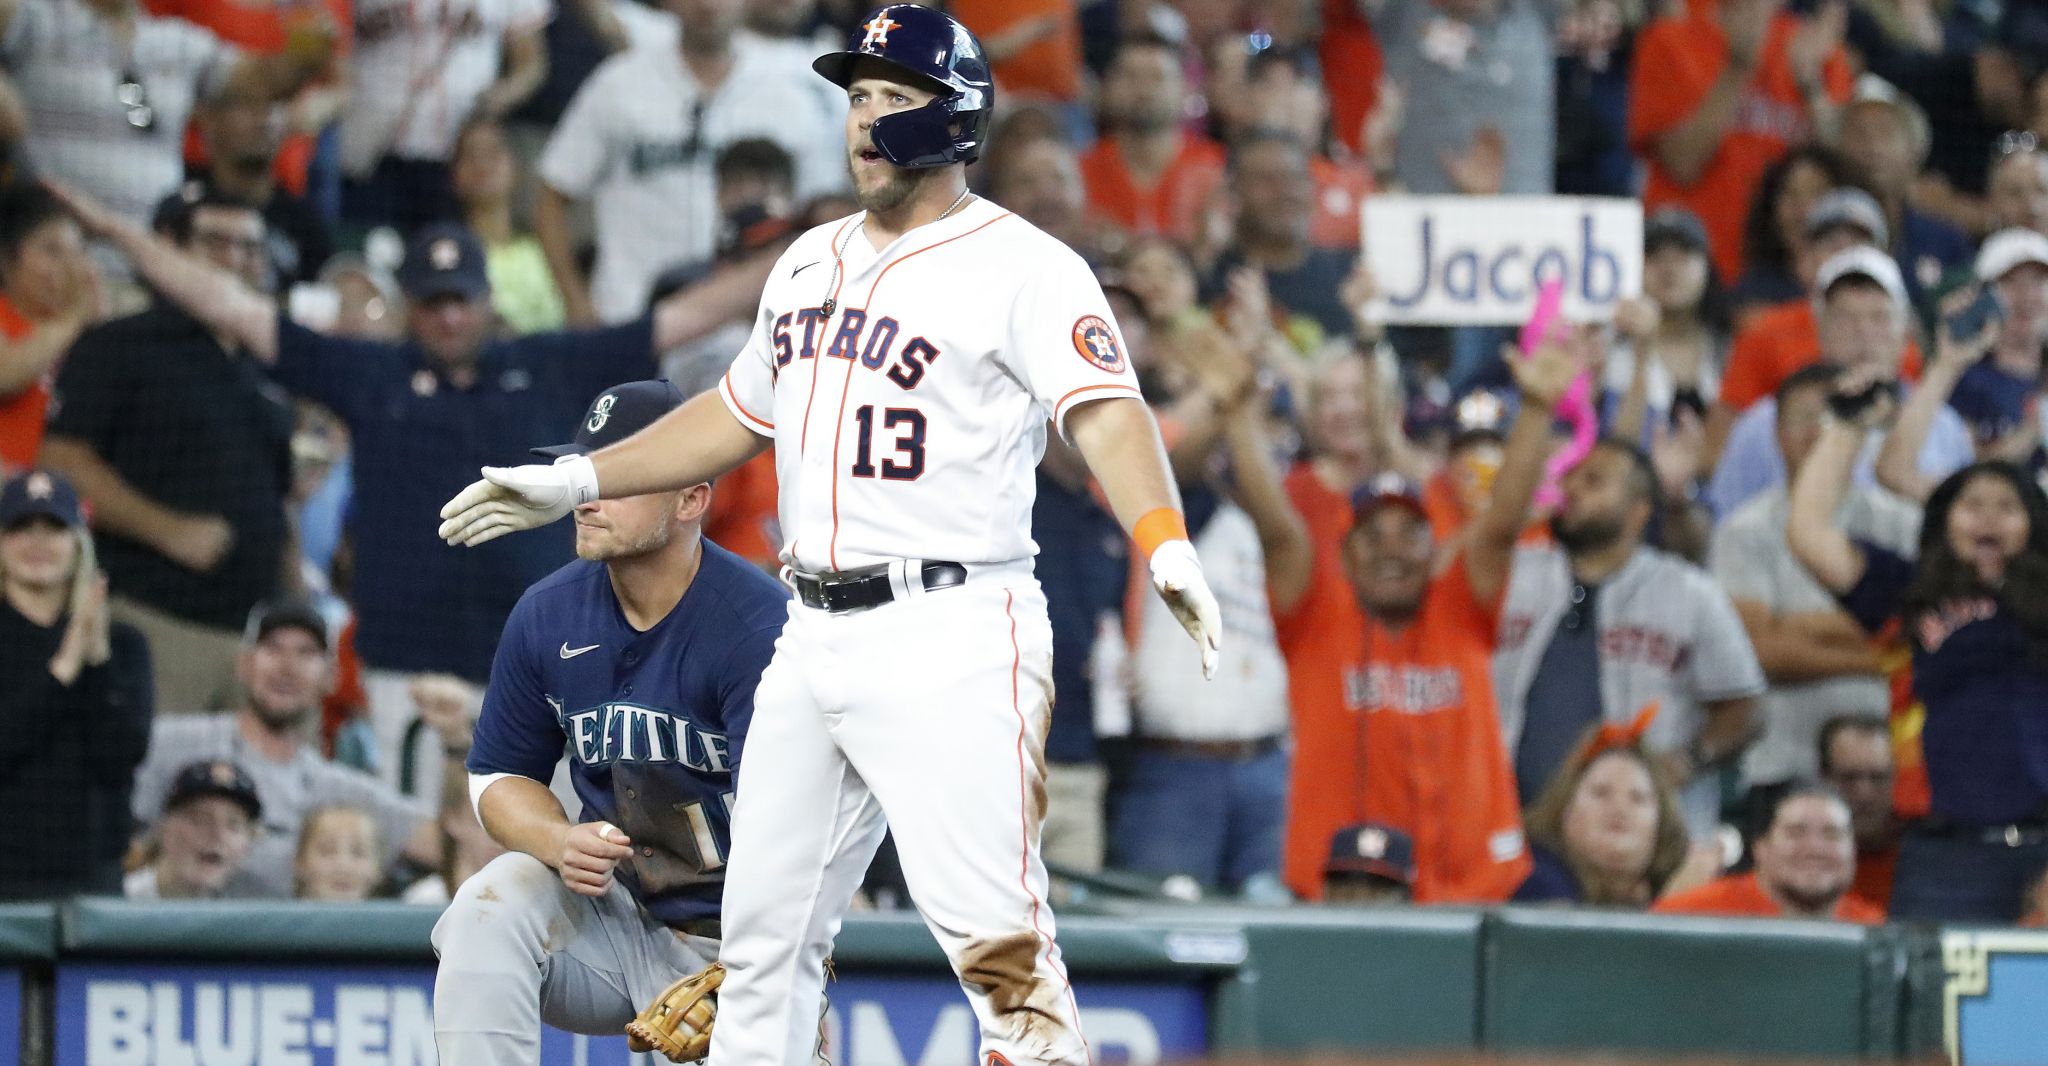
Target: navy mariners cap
{"x": 1374, "y": 849}
{"x": 618, "y": 413}
{"x": 215, "y": 777}
{"x": 444, "y": 259}
{"x": 40, "y": 493}
{"x": 272, "y": 615}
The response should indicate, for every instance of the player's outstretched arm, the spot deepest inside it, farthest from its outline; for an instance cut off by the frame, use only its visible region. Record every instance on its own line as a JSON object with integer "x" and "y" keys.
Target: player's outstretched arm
{"x": 693, "y": 443}
{"x": 1120, "y": 441}
{"x": 524, "y": 816}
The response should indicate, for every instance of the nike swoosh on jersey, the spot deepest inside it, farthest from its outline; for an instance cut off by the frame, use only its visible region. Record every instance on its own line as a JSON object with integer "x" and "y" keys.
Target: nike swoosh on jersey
{"x": 805, "y": 267}
{"x": 570, "y": 653}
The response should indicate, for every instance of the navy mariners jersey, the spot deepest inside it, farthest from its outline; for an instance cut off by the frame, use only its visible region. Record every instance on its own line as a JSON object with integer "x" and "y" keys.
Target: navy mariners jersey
{"x": 654, "y": 723}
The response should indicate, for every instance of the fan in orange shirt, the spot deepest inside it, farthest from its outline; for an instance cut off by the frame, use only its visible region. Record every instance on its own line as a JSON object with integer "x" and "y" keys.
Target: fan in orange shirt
{"x": 1034, "y": 45}
{"x": 1390, "y": 670}
{"x": 1147, "y": 174}
{"x": 743, "y": 518}
{"x": 1718, "y": 93}
{"x": 1805, "y": 864}
{"x": 48, "y": 295}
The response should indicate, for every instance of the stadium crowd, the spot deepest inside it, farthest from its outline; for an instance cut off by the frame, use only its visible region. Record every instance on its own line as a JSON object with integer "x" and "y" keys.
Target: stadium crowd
{"x": 275, "y": 280}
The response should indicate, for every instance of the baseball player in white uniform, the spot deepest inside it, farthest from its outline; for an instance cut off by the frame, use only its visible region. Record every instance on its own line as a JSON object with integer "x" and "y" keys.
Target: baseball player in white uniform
{"x": 904, "y": 366}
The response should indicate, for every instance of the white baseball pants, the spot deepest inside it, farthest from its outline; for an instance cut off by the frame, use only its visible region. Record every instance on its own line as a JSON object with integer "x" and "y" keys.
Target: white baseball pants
{"x": 930, "y": 711}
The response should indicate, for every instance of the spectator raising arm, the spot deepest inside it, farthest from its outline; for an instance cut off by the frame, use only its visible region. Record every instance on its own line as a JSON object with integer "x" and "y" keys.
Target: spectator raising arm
{"x": 1257, "y": 487}
{"x": 1819, "y": 485}
{"x": 206, "y": 292}
{"x": 1898, "y": 462}
{"x": 1542, "y": 379}
{"x": 551, "y": 226}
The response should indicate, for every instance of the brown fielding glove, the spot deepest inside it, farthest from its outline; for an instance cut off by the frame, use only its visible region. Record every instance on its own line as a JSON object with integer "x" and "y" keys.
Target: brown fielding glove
{"x": 678, "y": 1022}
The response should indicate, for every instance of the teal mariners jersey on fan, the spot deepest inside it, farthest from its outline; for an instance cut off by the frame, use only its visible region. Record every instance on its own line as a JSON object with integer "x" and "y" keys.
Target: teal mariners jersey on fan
{"x": 654, "y": 722}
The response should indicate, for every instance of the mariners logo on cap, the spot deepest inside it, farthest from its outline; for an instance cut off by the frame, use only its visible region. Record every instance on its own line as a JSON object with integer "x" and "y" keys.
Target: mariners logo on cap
{"x": 600, "y": 413}
{"x": 444, "y": 254}
{"x": 1097, "y": 343}
{"x": 40, "y": 487}
{"x": 878, "y": 31}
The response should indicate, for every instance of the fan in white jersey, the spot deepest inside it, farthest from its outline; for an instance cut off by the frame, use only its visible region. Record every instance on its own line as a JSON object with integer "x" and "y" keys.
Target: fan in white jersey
{"x": 639, "y": 140}
{"x": 905, "y": 365}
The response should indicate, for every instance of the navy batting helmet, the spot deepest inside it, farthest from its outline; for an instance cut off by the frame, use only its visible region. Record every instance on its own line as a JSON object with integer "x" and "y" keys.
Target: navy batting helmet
{"x": 939, "y": 52}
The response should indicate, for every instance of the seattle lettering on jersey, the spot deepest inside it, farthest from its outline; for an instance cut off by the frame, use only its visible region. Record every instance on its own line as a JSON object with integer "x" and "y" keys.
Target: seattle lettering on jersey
{"x": 627, "y": 732}
{"x": 798, "y": 335}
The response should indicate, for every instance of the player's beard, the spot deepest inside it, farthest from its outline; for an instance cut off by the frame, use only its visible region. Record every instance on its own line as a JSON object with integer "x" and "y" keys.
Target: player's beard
{"x": 613, "y": 547}
{"x": 891, "y": 193}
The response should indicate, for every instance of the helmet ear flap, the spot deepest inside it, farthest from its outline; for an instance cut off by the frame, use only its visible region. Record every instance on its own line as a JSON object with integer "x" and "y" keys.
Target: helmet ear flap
{"x": 940, "y": 133}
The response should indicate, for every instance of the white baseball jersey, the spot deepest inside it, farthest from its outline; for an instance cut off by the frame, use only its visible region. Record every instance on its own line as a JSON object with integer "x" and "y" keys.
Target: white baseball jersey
{"x": 908, "y": 420}
{"x": 417, "y": 68}
{"x": 66, "y": 63}
{"x": 640, "y": 138}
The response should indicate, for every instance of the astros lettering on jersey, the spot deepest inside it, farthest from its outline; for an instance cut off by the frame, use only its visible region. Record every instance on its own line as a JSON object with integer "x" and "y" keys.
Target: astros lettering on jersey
{"x": 907, "y": 424}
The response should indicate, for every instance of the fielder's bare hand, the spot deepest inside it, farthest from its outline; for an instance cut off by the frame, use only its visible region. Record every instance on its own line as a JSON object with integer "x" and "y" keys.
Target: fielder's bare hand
{"x": 590, "y": 851}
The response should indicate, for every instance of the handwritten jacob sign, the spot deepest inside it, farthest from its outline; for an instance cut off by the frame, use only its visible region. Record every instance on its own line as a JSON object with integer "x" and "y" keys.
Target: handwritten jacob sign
{"x": 1479, "y": 260}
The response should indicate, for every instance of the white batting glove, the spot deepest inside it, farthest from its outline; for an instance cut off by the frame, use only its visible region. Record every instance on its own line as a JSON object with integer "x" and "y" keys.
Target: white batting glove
{"x": 512, "y": 498}
{"x": 1177, "y": 574}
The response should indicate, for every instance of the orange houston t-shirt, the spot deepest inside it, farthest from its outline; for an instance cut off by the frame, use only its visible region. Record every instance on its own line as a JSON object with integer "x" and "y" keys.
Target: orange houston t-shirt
{"x": 1776, "y": 343}
{"x": 1048, "y": 68}
{"x": 1677, "y": 59}
{"x": 22, "y": 414}
{"x": 1172, "y": 207}
{"x": 1739, "y": 895}
{"x": 1398, "y": 728}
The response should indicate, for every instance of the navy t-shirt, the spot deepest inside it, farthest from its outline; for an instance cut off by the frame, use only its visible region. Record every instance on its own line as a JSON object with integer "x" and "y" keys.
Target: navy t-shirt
{"x": 418, "y": 440}
{"x": 654, "y": 722}
{"x": 1991, "y": 401}
{"x": 1985, "y": 740}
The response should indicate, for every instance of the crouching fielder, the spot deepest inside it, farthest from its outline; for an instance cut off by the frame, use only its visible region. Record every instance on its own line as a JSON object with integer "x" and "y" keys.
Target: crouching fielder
{"x": 642, "y": 658}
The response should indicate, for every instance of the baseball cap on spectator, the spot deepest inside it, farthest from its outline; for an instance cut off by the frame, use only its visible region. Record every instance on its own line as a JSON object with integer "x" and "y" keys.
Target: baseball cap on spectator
{"x": 272, "y": 615}
{"x": 1674, "y": 225}
{"x": 2009, "y": 248}
{"x": 215, "y": 777}
{"x": 1865, "y": 262}
{"x": 444, "y": 259}
{"x": 173, "y": 215}
{"x": 618, "y": 413}
{"x": 1848, "y": 207}
{"x": 39, "y": 493}
{"x": 1384, "y": 490}
{"x": 1374, "y": 850}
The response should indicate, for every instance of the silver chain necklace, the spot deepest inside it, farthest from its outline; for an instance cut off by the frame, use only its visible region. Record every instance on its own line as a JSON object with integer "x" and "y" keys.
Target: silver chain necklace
{"x": 832, "y": 283}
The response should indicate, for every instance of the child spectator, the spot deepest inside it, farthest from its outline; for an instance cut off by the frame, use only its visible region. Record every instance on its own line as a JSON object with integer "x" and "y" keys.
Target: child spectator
{"x": 337, "y": 857}
{"x": 75, "y": 696}
{"x": 1805, "y": 864}
{"x": 203, "y": 838}
{"x": 1370, "y": 865}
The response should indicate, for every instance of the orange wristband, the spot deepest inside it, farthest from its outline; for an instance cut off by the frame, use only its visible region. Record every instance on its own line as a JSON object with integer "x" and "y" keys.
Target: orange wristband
{"x": 1158, "y": 526}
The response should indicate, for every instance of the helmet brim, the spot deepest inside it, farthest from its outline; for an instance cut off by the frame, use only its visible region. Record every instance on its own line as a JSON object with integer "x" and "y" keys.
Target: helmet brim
{"x": 837, "y": 68}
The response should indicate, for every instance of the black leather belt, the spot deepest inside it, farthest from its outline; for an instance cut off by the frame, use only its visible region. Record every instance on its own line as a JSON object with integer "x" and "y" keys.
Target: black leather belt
{"x": 1236, "y": 750}
{"x": 2023, "y": 834}
{"x": 868, "y": 586}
